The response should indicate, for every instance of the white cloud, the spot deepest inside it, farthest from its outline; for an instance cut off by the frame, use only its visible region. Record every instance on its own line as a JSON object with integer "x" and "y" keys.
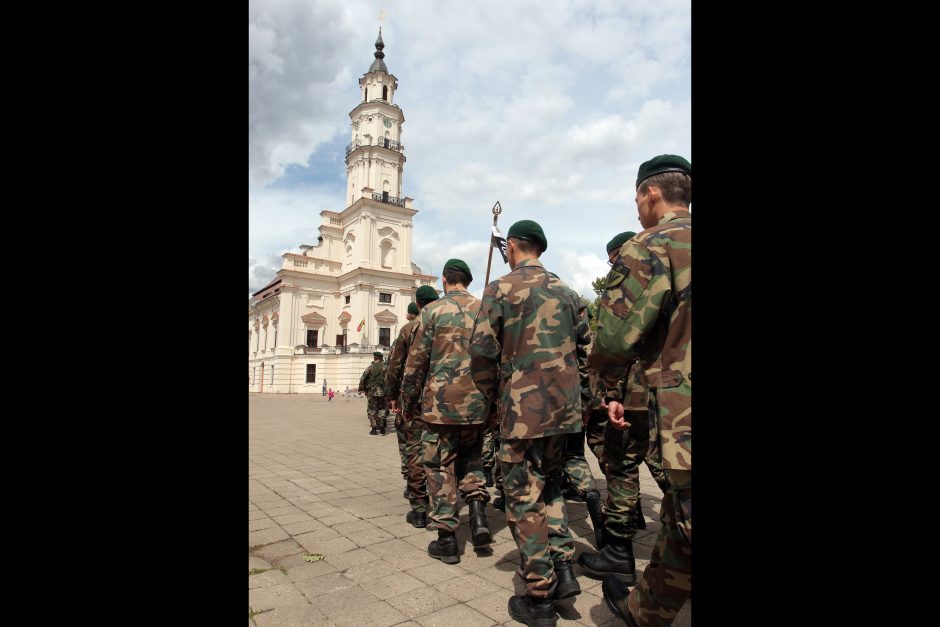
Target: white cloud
{"x": 580, "y": 270}
{"x": 548, "y": 107}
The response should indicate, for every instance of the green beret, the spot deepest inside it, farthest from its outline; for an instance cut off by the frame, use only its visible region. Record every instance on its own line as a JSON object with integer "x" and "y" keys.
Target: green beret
{"x": 413, "y": 309}
{"x": 660, "y": 164}
{"x": 529, "y": 231}
{"x": 377, "y": 354}
{"x": 426, "y": 294}
{"x": 458, "y": 264}
{"x": 618, "y": 241}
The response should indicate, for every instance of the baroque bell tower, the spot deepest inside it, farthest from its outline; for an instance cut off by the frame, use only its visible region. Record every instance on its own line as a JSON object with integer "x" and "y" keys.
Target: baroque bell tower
{"x": 375, "y": 156}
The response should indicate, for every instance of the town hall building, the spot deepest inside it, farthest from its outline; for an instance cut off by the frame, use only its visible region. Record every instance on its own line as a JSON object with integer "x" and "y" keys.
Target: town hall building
{"x": 330, "y": 306}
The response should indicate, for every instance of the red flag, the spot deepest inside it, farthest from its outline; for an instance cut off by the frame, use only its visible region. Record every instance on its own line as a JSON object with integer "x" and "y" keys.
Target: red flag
{"x": 361, "y": 324}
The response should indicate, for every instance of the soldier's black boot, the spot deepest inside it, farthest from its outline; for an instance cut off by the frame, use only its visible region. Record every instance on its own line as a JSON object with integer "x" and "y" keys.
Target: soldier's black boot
{"x": 570, "y": 493}
{"x": 488, "y": 474}
{"x": 418, "y": 520}
{"x": 372, "y": 431}
{"x": 533, "y": 612}
{"x": 568, "y": 585}
{"x": 500, "y": 502}
{"x": 479, "y": 530}
{"x": 640, "y": 521}
{"x": 445, "y": 547}
{"x": 382, "y": 429}
{"x": 616, "y": 558}
{"x": 616, "y": 593}
{"x": 593, "y": 501}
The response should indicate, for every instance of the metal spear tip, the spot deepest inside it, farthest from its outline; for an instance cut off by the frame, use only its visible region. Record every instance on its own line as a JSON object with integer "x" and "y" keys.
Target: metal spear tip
{"x": 497, "y": 209}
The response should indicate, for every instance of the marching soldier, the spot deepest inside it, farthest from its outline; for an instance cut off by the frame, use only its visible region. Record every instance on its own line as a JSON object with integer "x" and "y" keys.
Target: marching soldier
{"x": 438, "y": 391}
{"x": 646, "y": 311}
{"x": 394, "y": 366}
{"x": 416, "y": 489}
{"x": 526, "y": 349}
{"x": 372, "y": 383}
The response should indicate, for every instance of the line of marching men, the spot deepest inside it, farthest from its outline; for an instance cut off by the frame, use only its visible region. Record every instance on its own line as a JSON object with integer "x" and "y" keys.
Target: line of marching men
{"x": 519, "y": 378}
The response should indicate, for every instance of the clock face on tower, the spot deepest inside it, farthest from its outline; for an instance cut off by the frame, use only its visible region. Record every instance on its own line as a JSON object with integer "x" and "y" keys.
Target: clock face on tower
{"x": 388, "y": 122}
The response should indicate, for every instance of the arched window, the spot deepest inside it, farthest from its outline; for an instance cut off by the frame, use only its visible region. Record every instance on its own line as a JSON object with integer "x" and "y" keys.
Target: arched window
{"x": 384, "y": 92}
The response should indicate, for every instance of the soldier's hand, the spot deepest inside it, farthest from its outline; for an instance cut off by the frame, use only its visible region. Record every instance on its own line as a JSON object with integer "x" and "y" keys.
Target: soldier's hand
{"x": 585, "y": 417}
{"x": 615, "y": 413}
{"x": 393, "y": 407}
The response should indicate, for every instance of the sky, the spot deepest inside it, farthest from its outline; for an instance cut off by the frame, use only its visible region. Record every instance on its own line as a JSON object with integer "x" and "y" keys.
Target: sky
{"x": 548, "y": 107}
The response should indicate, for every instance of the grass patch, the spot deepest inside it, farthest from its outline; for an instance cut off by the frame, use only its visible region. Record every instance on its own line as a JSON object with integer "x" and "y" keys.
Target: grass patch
{"x": 252, "y": 613}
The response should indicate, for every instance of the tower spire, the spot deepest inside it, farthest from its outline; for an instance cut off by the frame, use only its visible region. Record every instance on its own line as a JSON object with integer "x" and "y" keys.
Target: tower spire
{"x": 379, "y": 65}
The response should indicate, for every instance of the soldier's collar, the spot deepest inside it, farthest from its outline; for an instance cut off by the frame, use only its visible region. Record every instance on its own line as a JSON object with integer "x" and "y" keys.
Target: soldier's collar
{"x": 529, "y": 262}
{"x": 673, "y": 215}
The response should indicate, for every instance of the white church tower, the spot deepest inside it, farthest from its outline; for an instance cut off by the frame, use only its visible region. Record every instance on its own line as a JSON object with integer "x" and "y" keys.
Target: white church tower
{"x": 331, "y": 306}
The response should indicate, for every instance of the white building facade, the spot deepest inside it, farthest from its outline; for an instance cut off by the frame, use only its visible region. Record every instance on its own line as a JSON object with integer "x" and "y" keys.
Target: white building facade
{"x": 329, "y": 307}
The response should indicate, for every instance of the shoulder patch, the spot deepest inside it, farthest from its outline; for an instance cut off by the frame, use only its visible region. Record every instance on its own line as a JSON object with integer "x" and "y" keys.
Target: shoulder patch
{"x": 617, "y": 274}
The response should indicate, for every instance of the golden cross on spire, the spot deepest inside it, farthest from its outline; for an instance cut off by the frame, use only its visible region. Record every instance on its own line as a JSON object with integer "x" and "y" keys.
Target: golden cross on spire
{"x": 382, "y": 15}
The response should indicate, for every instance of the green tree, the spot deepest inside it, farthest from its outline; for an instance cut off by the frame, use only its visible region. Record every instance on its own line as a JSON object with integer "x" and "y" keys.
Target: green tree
{"x": 597, "y": 285}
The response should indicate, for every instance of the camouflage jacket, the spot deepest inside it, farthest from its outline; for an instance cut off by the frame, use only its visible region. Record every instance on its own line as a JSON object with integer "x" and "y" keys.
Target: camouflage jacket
{"x": 528, "y": 352}
{"x": 437, "y": 372}
{"x": 395, "y": 366}
{"x": 646, "y": 311}
{"x": 372, "y": 381}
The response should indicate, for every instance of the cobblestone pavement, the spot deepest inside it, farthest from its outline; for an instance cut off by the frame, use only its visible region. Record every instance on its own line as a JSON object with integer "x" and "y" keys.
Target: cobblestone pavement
{"x": 319, "y": 484}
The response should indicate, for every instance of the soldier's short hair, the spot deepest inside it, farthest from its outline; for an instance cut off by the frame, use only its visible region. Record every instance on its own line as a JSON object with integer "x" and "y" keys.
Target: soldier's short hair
{"x": 675, "y": 186}
{"x": 455, "y": 276}
{"x": 527, "y": 247}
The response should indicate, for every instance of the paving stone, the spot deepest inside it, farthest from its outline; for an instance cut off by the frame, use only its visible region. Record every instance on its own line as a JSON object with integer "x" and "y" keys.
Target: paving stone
{"x": 394, "y": 586}
{"x": 456, "y": 616}
{"x": 272, "y": 552}
{"x": 266, "y": 536}
{"x": 275, "y": 597}
{"x": 421, "y": 601}
{"x": 467, "y": 587}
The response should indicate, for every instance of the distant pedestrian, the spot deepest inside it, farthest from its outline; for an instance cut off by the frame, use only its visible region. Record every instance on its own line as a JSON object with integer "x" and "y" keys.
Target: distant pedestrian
{"x": 330, "y": 394}
{"x": 324, "y": 387}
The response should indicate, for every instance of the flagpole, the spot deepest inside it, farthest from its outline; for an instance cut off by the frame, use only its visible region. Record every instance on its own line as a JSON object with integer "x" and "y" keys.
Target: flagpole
{"x": 497, "y": 209}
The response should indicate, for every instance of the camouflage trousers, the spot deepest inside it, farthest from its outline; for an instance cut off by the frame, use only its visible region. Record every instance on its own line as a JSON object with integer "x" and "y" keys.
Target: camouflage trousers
{"x": 376, "y": 412}
{"x": 667, "y": 581}
{"x": 490, "y": 438}
{"x": 577, "y": 471}
{"x": 402, "y": 441}
{"x": 451, "y": 455}
{"x": 535, "y": 509}
{"x": 594, "y": 433}
{"x": 417, "y": 486}
{"x": 623, "y": 453}
{"x": 490, "y": 456}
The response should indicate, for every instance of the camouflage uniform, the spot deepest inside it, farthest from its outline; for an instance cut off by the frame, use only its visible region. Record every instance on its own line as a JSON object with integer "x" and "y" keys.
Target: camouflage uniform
{"x": 625, "y": 451}
{"x": 409, "y": 431}
{"x": 490, "y": 439}
{"x": 451, "y": 410}
{"x": 372, "y": 383}
{"x": 525, "y": 354}
{"x": 578, "y": 476}
{"x": 647, "y": 311}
